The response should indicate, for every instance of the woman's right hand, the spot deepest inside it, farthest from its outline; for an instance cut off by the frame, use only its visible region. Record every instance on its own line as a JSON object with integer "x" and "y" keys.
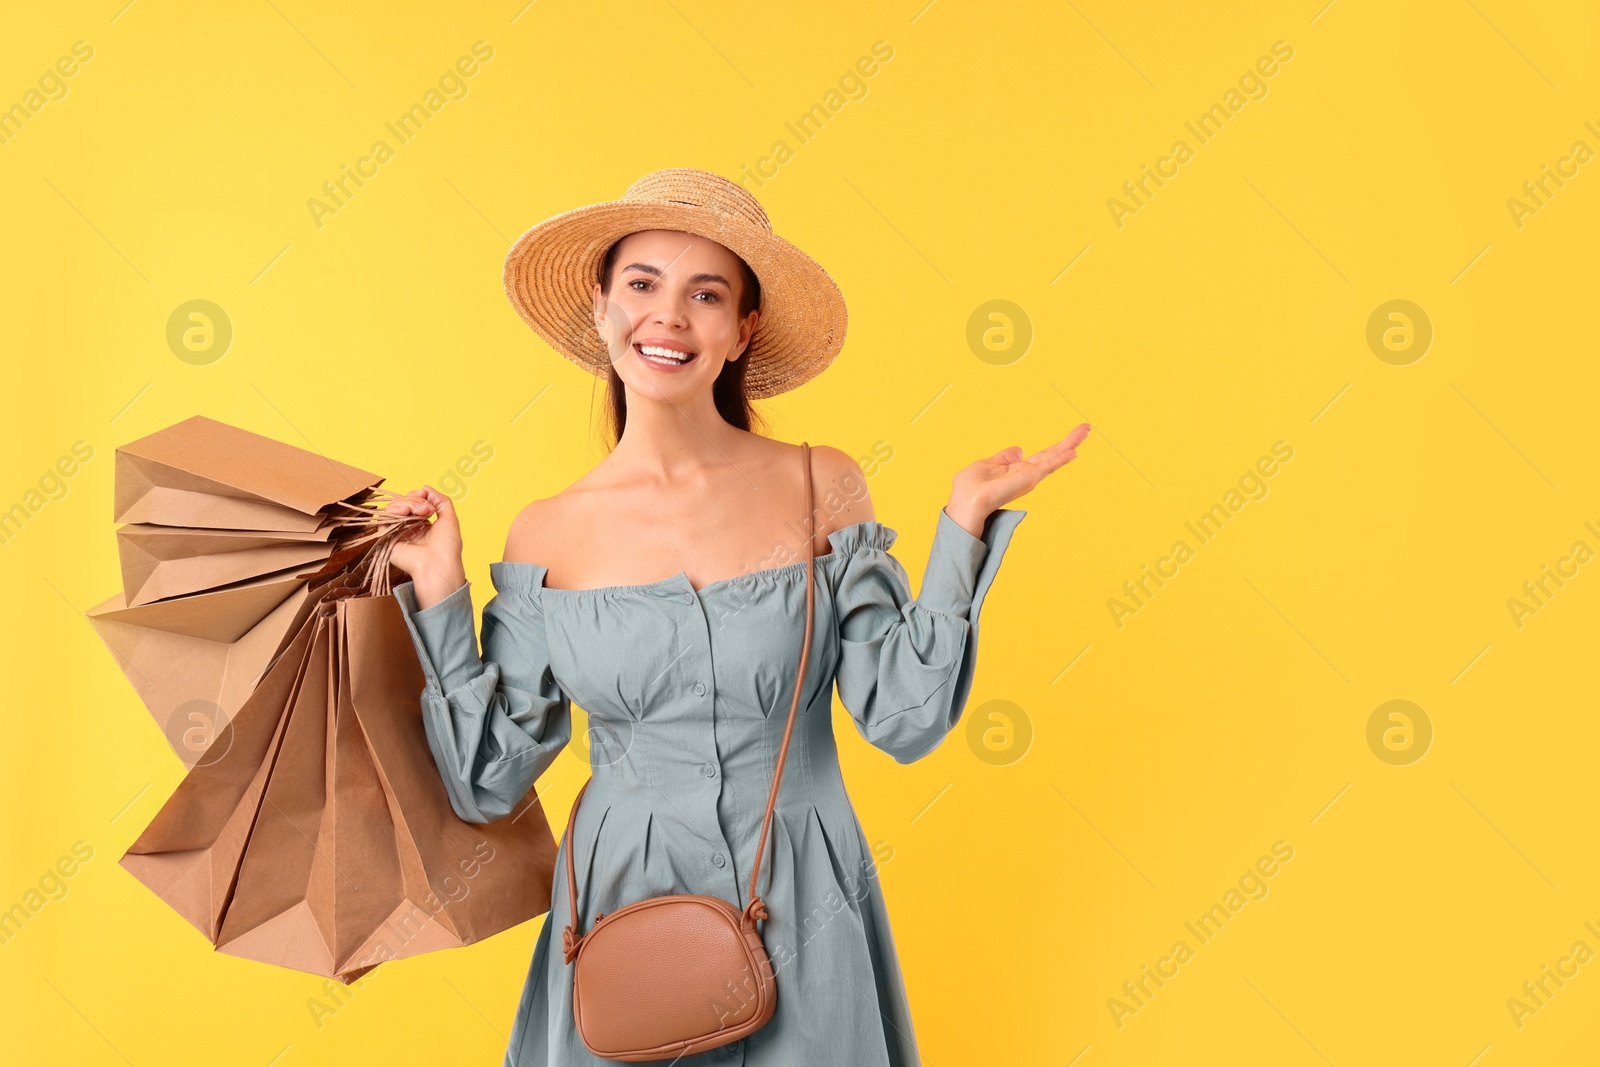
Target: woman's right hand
{"x": 430, "y": 552}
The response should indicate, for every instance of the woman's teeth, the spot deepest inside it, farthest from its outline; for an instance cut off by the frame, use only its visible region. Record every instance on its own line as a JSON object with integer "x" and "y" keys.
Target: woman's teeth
{"x": 667, "y": 356}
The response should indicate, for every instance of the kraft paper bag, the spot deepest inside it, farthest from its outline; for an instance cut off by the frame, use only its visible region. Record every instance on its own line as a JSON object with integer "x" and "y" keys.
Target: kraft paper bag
{"x": 312, "y": 829}
{"x": 201, "y": 472}
{"x": 324, "y": 839}
{"x": 194, "y": 659}
{"x": 190, "y": 852}
{"x": 489, "y": 876}
{"x": 160, "y": 562}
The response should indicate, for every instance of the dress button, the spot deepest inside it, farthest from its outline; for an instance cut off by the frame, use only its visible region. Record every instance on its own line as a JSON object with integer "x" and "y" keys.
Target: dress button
{"x": 710, "y": 770}
{"x": 719, "y": 859}
{"x": 699, "y": 689}
{"x": 688, "y": 598}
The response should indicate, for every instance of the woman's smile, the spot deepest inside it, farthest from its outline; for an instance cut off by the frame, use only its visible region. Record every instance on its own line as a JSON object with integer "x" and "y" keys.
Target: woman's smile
{"x": 664, "y": 354}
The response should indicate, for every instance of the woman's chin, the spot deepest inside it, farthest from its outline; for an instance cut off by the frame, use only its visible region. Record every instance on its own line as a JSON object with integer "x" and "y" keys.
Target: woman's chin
{"x": 671, "y": 386}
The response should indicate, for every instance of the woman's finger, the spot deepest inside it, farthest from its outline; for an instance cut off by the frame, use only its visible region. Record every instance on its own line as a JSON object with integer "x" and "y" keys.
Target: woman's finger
{"x": 1063, "y": 450}
{"x": 1048, "y": 459}
{"x": 424, "y": 501}
{"x": 1070, "y": 442}
{"x": 437, "y": 501}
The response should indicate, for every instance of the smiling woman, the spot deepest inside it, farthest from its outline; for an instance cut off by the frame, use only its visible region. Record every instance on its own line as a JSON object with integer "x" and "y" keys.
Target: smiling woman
{"x": 704, "y": 868}
{"x": 712, "y": 277}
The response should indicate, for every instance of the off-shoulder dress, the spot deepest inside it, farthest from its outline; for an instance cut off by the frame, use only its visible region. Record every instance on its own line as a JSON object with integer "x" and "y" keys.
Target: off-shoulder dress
{"x": 687, "y": 692}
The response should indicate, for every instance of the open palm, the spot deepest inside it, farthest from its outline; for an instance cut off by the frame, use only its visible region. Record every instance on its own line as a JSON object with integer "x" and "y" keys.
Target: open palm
{"x": 997, "y": 480}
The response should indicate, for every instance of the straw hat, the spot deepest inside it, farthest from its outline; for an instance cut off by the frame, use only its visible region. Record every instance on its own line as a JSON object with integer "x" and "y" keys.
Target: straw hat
{"x": 551, "y": 272}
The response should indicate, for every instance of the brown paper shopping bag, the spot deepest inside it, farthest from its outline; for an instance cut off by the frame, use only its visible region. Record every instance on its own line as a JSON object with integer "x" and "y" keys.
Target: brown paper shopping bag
{"x": 356, "y": 856}
{"x": 189, "y": 854}
{"x": 488, "y": 876}
{"x": 225, "y": 528}
{"x": 195, "y": 660}
{"x": 160, "y": 562}
{"x": 194, "y": 653}
{"x": 201, "y": 472}
{"x": 324, "y": 840}
{"x": 313, "y": 829}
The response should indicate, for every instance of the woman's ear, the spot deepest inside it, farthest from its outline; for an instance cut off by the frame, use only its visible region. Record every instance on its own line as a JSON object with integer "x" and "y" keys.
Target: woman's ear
{"x": 747, "y": 330}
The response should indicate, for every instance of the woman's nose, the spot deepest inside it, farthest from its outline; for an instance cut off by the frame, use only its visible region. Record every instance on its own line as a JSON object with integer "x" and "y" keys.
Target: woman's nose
{"x": 667, "y": 309}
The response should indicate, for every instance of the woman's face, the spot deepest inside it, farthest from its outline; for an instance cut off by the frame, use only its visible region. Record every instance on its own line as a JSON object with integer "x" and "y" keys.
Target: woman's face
{"x": 679, "y": 292}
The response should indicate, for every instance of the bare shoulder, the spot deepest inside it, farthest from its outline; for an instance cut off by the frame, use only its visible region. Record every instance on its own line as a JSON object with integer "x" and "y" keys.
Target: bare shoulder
{"x": 840, "y": 488}
{"x": 536, "y": 531}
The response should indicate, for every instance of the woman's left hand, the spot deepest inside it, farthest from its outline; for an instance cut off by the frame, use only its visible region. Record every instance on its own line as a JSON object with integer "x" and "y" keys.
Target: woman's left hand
{"x": 977, "y": 490}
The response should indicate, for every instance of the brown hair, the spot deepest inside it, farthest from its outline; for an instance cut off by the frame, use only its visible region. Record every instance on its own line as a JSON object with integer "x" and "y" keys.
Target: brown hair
{"x": 727, "y": 392}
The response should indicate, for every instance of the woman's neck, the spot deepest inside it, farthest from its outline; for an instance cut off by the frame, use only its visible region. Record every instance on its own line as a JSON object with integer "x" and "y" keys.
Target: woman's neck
{"x": 670, "y": 444}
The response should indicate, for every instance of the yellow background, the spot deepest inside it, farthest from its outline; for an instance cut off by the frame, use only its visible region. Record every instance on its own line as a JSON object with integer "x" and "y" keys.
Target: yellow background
{"x": 1229, "y": 313}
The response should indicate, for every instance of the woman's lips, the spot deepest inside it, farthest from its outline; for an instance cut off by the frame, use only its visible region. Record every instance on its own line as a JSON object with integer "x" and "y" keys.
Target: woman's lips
{"x": 663, "y": 364}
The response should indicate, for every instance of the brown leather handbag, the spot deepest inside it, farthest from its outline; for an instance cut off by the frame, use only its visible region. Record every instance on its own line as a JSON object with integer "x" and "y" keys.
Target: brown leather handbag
{"x": 669, "y": 976}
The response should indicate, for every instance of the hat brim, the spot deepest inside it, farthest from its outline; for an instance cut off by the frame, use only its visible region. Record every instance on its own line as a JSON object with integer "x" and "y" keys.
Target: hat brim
{"x": 551, "y": 271}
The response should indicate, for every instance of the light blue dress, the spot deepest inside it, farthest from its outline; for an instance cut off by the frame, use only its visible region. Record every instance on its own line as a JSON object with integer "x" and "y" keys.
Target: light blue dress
{"x": 687, "y": 693}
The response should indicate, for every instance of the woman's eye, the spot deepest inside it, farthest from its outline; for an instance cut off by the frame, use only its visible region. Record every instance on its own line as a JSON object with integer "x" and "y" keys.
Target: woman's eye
{"x": 634, "y": 282}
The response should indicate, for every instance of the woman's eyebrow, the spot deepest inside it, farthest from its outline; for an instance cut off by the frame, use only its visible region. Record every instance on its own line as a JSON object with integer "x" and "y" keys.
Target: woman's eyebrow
{"x": 693, "y": 278}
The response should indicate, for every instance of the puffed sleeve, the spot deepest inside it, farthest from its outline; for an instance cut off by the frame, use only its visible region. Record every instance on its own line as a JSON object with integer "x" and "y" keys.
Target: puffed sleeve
{"x": 906, "y": 665}
{"x": 494, "y": 722}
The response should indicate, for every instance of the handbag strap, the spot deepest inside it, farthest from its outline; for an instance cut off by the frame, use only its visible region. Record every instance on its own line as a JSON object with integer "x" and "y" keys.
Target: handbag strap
{"x": 756, "y": 909}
